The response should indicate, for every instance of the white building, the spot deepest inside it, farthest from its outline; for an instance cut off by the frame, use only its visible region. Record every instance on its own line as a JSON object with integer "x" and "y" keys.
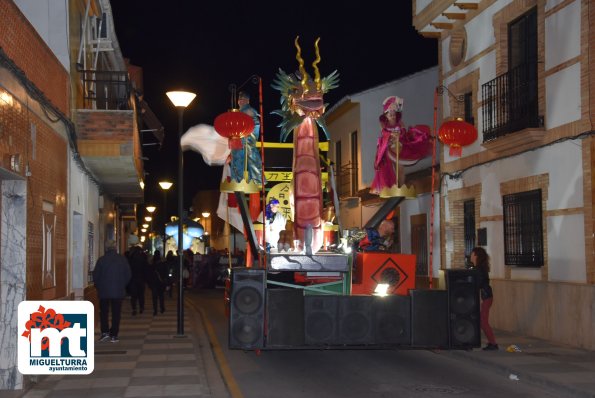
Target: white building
{"x": 524, "y": 189}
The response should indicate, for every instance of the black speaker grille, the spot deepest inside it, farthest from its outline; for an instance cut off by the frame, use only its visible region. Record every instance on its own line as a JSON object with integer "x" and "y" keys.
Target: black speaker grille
{"x": 247, "y": 330}
{"x": 247, "y": 306}
{"x": 248, "y": 300}
{"x": 320, "y": 319}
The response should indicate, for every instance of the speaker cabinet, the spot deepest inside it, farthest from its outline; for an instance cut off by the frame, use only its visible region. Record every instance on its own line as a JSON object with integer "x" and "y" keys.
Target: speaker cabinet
{"x": 356, "y": 324}
{"x": 247, "y": 305}
{"x": 320, "y": 319}
{"x": 285, "y": 318}
{"x": 463, "y": 308}
{"x": 429, "y": 318}
{"x": 392, "y": 320}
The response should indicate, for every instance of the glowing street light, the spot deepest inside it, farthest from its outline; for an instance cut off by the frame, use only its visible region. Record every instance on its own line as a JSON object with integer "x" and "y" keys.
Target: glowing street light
{"x": 180, "y": 99}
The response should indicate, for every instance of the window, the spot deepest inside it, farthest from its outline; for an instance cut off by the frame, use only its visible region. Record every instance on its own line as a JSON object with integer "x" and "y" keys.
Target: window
{"x": 510, "y": 101}
{"x": 523, "y": 231}
{"x": 354, "y": 164}
{"x": 468, "y": 103}
{"x": 469, "y": 226}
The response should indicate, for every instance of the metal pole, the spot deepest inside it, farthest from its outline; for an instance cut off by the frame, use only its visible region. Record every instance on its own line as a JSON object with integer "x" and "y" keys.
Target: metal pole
{"x": 164, "y": 224}
{"x": 180, "y": 221}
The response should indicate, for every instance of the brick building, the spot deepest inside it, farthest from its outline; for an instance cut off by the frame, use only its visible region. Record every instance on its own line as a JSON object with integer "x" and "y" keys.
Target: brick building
{"x": 70, "y": 155}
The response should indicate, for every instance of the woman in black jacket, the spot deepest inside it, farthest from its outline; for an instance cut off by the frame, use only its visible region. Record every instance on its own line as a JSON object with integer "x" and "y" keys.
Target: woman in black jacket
{"x": 481, "y": 262}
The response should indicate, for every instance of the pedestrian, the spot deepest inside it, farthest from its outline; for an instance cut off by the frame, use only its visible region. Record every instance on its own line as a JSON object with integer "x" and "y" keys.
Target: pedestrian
{"x": 111, "y": 275}
{"x": 172, "y": 265}
{"x": 138, "y": 264}
{"x": 481, "y": 262}
{"x": 156, "y": 277}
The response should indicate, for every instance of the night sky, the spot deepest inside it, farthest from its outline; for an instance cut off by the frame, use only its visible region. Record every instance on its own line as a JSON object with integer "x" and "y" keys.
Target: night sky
{"x": 204, "y": 46}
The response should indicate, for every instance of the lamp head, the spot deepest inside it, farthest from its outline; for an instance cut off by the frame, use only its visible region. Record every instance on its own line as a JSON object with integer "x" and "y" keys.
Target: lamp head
{"x": 180, "y": 99}
{"x": 151, "y": 209}
{"x": 165, "y": 185}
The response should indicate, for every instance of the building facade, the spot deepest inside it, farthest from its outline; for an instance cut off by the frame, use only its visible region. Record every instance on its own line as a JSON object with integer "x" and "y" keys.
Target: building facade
{"x": 524, "y": 189}
{"x": 70, "y": 161}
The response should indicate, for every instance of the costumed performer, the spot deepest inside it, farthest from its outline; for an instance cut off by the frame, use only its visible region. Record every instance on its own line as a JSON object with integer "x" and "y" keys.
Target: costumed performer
{"x": 384, "y": 163}
{"x": 254, "y": 163}
{"x": 274, "y": 223}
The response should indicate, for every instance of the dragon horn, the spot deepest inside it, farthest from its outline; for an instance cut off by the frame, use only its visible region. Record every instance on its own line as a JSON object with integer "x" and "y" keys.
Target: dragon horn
{"x": 298, "y": 56}
{"x": 315, "y": 65}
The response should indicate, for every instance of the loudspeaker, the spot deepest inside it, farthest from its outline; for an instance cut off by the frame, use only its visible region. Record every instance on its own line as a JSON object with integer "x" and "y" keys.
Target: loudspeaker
{"x": 463, "y": 308}
{"x": 246, "y": 320}
{"x": 356, "y": 324}
{"x": 320, "y": 319}
{"x": 429, "y": 318}
{"x": 285, "y": 318}
{"x": 392, "y": 320}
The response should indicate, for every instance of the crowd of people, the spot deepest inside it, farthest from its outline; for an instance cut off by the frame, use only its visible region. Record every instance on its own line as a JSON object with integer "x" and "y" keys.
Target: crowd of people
{"x": 117, "y": 276}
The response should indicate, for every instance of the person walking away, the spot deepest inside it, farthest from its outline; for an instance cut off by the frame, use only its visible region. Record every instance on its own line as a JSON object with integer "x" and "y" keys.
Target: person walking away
{"x": 156, "y": 277}
{"x": 481, "y": 262}
{"x": 138, "y": 264}
{"x": 111, "y": 275}
{"x": 172, "y": 265}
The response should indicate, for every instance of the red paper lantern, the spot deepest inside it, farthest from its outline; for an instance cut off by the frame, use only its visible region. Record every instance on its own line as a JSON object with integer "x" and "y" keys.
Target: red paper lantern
{"x": 457, "y": 133}
{"x": 234, "y": 125}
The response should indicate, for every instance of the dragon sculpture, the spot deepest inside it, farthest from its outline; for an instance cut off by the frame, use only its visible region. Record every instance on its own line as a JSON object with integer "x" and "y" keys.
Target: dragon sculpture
{"x": 302, "y": 105}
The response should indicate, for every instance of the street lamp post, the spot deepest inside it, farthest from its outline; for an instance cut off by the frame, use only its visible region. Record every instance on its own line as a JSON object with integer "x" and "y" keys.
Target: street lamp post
{"x": 180, "y": 99}
{"x": 206, "y": 215}
{"x": 151, "y": 209}
{"x": 165, "y": 185}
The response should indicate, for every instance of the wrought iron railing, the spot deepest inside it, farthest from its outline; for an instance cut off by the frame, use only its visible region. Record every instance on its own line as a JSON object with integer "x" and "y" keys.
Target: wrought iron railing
{"x": 107, "y": 90}
{"x": 345, "y": 179}
{"x": 510, "y": 102}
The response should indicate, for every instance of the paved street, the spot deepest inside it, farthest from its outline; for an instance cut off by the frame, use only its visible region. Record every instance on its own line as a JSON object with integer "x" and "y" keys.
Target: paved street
{"x": 149, "y": 361}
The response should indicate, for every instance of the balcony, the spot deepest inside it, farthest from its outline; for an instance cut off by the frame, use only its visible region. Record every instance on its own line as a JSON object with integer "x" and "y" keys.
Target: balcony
{"x": 510, "y": 103}
{"x": 108, "y": 134}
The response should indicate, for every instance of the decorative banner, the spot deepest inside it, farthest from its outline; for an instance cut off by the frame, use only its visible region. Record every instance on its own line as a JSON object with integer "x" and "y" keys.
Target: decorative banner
{"x": 285, "y": 176}
{"x": 282, "y": 192}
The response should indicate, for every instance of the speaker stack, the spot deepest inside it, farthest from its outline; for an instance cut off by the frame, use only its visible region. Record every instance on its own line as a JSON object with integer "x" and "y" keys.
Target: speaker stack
{"x": 286, "y": 318}
{"x": 247, "y": 308}
{"x": 463, "y": 308}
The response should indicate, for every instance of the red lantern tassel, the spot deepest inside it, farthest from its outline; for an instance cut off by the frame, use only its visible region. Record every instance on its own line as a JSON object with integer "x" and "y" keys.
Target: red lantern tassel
{"x": 235, "y": 143}
{"x": 455, "y": 151}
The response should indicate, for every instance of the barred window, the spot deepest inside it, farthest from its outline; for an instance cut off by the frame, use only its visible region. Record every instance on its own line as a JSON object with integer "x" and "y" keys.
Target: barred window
{"x": 523, "y": 232}
{"x": 468, "y": 102}
{"x": 469, "y": 220}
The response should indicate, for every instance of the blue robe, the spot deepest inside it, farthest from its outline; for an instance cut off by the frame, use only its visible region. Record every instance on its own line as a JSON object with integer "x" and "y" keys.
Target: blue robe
{"x": 254, "y": 162}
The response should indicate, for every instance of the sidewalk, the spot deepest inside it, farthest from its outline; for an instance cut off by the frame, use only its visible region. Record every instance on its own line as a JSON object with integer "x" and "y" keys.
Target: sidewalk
{"x": 568, "y": 370}
{"x": 149, "y": 361}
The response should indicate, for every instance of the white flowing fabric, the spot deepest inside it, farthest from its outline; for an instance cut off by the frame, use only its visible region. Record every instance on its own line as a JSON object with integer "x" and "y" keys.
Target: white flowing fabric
{"x": 235, "y": 218}
{"x": 205, "y": 140}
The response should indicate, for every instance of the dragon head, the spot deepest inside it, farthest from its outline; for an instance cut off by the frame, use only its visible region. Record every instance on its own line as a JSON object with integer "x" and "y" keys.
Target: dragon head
{"x": 302, "y": 96}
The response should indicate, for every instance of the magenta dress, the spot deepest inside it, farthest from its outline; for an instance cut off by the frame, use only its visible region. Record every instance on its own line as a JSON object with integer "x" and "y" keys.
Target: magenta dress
{"x": 415, "y": 145}
{"x": 384, "y": 164}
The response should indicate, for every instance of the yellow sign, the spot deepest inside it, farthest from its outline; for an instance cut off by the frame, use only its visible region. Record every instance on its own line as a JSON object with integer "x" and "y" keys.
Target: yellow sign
{"x": 285, "y": 176}
{"x": 282, "y": 192}
{"x": 323, "y": 146}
